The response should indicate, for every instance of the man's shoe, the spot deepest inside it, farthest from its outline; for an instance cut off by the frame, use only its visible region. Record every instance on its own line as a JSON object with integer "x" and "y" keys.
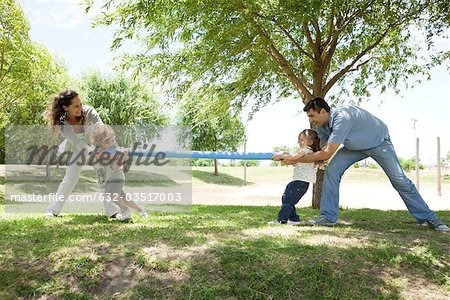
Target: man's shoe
{"x": 320, "y": 220}
{"x": 438, "y": 225}
{"x": 293, "y": 223}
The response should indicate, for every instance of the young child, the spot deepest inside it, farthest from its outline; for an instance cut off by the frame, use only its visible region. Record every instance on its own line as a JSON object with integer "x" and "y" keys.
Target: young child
{"x": 304, "y": 173}
{"x": 110, "y": 173}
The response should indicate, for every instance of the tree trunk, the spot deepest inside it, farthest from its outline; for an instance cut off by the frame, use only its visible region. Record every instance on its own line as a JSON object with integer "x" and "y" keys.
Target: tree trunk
{"x": 317, "y": 189}
{"x": 216, "y": 169}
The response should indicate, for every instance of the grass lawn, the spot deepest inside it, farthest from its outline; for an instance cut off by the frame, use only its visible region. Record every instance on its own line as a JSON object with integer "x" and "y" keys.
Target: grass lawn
{"x": 222, "y": 252}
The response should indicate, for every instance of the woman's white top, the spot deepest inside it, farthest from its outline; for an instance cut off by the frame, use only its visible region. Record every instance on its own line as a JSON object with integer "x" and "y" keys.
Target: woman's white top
{"x": 305, "y": 171}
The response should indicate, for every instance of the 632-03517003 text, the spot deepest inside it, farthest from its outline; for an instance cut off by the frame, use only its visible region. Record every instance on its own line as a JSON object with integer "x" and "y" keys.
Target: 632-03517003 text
{"x": 150, "y": 197}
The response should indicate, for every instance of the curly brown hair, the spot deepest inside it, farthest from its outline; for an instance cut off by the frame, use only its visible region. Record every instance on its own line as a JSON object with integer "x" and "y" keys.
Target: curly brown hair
{"x": 55, "y": 114}
{"x": 99, "y": 133}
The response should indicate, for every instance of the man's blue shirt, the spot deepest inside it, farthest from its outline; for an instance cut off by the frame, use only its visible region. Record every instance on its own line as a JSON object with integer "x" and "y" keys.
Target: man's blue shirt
{"x": 354, "y": 127}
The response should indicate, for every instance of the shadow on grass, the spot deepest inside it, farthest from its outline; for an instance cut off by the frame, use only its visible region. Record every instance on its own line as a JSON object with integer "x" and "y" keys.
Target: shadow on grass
{"x": 221, "y": 179}
{"x": 141, "y": 179}
{"x": 222, "y": 252}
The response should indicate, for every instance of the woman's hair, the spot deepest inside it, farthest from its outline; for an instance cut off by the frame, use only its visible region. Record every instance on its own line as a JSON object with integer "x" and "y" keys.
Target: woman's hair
{"x": 55, "y": 114}
{"x": 312, "y": 135}
{"x": 99, "y": 133}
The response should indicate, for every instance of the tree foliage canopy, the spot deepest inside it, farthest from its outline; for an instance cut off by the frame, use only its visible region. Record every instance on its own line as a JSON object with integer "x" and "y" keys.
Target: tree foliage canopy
{"x": 253, "y": 48}
{"x": 27, "y": 70}
{"x": 29, "y": 74}
{"x": 120, "y": 100}
{"x": 214, "y": 125}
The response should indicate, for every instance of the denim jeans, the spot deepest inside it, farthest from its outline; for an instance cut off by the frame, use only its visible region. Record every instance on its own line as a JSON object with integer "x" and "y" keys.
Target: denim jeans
{"x": 292, "y": 194}
{"x": 386, "y": 157}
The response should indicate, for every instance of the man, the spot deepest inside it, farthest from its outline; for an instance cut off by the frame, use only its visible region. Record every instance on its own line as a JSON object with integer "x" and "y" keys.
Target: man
{"x": 362, "y": 135}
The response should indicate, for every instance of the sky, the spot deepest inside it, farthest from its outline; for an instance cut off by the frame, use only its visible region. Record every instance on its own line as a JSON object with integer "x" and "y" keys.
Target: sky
{"x": 65, "y": 30}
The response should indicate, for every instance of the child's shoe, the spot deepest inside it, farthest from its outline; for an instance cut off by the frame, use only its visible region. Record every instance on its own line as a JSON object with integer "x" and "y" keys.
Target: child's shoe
{"x": 275, "y": 223}
{"x": 293, "y": 223}
{"x": 125, "y": 214}
{"x": 143, "y": 213}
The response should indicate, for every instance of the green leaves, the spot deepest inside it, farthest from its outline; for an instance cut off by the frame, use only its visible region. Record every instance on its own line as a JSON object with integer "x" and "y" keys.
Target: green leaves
{"x": 121, "y": 101}
{"x": 29, "y": 74}
{"x": 215, "y": 126}
{"x": 289, "y": 47}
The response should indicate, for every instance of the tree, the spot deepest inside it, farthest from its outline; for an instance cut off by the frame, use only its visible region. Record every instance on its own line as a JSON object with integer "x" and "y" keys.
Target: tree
{"x": 119, "y": 100}
{"x": 214, "y": 125}
{"x": 410, "y": 164}
{"x": 269, "y": 49}
{"x": 286, "y": 149}
{"x": 29, "y": 75}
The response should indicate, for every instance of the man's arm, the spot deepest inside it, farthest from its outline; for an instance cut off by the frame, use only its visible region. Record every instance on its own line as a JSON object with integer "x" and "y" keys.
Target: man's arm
{"x": 323, "y": 154}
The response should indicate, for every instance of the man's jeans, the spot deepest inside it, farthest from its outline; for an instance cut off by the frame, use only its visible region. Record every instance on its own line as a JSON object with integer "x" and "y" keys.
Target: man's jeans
{"x": 385, "y": 156}
{"x": 293, "y": 193}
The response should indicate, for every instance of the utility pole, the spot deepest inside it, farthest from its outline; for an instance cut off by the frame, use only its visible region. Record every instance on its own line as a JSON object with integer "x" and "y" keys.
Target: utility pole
{"x": 417, "y": 152}
{"x": 438, "y": 166}
{"x": 245, "y": 163}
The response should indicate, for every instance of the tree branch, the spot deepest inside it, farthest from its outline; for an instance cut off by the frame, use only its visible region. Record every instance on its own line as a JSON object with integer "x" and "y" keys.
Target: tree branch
{"x": 20, "y": 94}
{"x": 7, "y": 71}
{"x": 315, "y": 24}
{"x": 2, "y": 60}
{"x": 362, "y": 64}
{"x": 341, "y": 24}
{"x": 310, "y": 40}
{"x": 299, "y": 47}
{"x": 341, "y": 73}
{"x": 331, "y": 27}
{"x": 288, "y": 35}
{"x": 299, "y": 83}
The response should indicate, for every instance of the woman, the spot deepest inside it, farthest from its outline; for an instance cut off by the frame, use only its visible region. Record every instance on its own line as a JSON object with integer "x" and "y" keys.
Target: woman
{"x": 70, "y": 118}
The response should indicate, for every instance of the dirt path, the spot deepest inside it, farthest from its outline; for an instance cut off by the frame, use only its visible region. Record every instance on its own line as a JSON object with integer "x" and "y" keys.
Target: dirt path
{"x": 353, "y": 195}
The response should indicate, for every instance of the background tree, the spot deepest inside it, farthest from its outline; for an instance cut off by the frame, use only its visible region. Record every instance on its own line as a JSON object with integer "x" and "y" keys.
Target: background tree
{"x": 120, "y": 100}
{"x": 29, "y": 75}
{"x": 269, "y": 49}
{"x": 445, "y": 161}
{"x": 286, "y": 149}
{"x": 410, "y": 164}
{"x": 214, "y": 125}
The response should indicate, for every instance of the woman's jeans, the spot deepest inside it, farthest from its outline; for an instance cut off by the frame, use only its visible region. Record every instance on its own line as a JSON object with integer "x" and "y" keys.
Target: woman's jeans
{"x": 70, "y": 180}
{"x": 293, "y": 193}
{"x": 386, "y": 157}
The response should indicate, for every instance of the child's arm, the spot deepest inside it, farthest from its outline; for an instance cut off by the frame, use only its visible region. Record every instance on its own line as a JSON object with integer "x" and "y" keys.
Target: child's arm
{"x": 286, "y": 157}
{"x": 120, "y": 156}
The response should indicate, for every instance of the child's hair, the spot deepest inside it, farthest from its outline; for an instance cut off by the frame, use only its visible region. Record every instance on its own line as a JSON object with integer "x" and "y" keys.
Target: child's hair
{"x": 312, "y": 135}
{"x": 99, "y": 133}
